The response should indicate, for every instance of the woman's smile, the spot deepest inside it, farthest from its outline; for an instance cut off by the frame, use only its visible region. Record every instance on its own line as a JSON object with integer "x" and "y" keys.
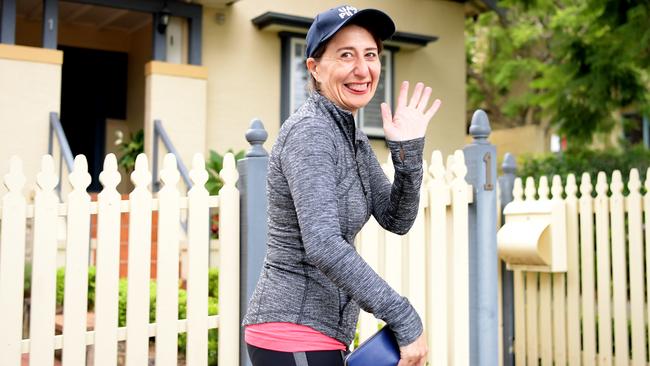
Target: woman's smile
{"x": 358, "y": 88}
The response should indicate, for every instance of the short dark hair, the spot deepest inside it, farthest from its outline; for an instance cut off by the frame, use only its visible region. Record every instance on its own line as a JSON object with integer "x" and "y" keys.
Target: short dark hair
{"x": 312, "y": 84}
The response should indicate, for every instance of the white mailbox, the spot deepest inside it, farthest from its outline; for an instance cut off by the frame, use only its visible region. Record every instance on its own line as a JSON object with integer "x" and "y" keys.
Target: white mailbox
{"x": 534, "y": 236}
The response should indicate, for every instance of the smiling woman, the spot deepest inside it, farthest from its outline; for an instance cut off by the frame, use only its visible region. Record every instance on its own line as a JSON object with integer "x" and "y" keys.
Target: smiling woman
{"x": 324, "y": 183}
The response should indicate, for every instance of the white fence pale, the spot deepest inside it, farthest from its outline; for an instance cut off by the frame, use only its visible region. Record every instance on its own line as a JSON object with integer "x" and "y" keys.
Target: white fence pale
{"x": 429, "y": 265}
{"x": 596, "y": 312}
{"x": 77, "y": 210}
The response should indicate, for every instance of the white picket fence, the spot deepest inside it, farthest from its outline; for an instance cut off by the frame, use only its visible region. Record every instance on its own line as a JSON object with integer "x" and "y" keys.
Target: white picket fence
{"x": 429, "y": 265}
{"x": 45, "y": 211}
{"x": 596, "y": 313}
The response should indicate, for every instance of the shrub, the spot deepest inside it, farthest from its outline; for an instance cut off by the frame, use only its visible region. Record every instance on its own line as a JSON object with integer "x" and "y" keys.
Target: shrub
{"x": 214, "y": 164}
{"x": 580, "y": 160}
{"x": 60, "y": 286}
{"x": 213, "y": 283}
{"x": 27, "y": 281}
{"x": 213, "y": 305}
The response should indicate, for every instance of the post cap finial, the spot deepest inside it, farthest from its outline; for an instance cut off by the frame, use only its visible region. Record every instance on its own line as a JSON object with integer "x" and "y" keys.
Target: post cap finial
{"x": 509, "y": 165}
{"x": 256, "y": 136}
{"x": 480, "y": 128}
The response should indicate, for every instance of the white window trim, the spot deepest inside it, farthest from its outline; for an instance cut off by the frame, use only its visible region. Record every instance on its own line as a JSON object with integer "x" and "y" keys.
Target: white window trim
{"x": 292, "y": 75}
{"x": 388, "y": 94}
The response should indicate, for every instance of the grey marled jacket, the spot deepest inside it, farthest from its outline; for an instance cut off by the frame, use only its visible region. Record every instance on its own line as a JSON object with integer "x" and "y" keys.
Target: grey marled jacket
{"x": 324, "y": 182}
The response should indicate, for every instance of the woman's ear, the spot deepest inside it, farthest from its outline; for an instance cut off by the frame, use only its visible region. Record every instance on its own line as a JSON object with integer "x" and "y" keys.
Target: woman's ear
{"x": 312, "y": 67}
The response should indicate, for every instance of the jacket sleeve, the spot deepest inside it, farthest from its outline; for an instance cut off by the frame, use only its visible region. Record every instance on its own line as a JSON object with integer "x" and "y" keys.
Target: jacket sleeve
{"x": 308, "y": 161}
{"x": 395, "y": 206}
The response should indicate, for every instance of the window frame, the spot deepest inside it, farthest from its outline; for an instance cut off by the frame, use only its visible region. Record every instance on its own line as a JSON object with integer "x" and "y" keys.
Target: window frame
{"x": 389, "y": 74}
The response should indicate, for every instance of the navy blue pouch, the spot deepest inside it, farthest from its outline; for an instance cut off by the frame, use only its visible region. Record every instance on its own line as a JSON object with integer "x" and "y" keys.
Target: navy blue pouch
{"x": 379, "y": 350}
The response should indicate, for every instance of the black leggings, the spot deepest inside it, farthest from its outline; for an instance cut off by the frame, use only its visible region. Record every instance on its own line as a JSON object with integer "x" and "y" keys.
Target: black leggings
{"x": 265, "y": 357}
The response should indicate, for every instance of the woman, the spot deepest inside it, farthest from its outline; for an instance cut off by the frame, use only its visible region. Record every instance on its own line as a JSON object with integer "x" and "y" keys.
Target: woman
{"x": 323, "y": 184}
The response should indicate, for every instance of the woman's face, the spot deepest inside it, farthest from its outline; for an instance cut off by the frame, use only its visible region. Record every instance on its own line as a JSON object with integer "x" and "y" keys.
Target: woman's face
{"x": 348, "y": 71}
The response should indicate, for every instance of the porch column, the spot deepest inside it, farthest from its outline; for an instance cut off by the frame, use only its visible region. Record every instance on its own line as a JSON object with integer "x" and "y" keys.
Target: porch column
{"x": 159, "y": 41}
{"x": 8, "y": 21}
{"x": 30, "y": 80}
{"x": 50, "y": 23}
{"x": 177, "y": 96}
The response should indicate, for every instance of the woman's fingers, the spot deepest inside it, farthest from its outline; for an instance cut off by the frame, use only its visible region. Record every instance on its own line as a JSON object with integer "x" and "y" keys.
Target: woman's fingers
{"x": 403, "y": 94}
{"x": 417, "y": 94}
{"x": 425, "y": 99}
{"x": 386, "y": 114}
{"x": 434, "y": 108}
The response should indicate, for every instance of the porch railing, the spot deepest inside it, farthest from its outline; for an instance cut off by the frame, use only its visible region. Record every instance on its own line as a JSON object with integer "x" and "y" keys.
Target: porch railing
{"x": 65, "y": 153}
{"x": 159, "y": 134}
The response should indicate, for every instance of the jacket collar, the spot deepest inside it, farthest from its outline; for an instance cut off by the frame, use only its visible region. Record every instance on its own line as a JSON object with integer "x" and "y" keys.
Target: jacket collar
{"x": 343, "y": 117}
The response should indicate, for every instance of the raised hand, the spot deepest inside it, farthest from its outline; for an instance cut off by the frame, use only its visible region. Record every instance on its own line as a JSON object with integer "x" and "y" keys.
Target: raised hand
{"x": 411, "y": 119}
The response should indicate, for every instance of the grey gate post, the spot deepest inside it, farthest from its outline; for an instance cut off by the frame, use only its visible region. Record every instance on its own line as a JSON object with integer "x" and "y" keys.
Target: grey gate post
{"x": 506, "y": 183}
{"x": 480, "y": 157}
{"x": 253, "y": 170}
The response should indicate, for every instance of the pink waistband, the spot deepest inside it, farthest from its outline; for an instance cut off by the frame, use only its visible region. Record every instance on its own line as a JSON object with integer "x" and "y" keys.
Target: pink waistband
{"x": 289, "y": 337}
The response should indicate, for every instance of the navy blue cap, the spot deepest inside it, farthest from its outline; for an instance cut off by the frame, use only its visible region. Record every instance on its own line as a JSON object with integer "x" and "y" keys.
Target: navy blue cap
{"x": 327, "y": 23}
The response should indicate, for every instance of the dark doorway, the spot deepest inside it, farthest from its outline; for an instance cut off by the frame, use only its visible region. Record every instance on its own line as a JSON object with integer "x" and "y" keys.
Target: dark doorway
{"x": 93, "y": 89}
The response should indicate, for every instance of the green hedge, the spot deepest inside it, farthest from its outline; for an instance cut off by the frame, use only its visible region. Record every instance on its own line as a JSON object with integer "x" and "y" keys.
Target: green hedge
{"x": 578, "y": 161}
{"x": 213, "y": 305}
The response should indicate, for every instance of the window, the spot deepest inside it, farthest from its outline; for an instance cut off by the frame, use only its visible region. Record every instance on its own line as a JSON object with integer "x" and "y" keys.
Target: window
{"x": 295, "y": 85}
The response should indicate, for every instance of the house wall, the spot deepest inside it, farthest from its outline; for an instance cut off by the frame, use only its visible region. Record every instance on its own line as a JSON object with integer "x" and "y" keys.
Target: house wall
{"x": 244, "y": 67}
{"x": 31, "y": 88}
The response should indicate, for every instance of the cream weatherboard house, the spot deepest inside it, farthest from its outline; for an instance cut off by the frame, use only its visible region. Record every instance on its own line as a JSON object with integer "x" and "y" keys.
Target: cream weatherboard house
{"x": 203, "y": 68}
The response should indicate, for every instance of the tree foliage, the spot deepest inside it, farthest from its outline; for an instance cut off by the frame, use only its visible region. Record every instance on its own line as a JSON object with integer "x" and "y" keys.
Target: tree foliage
{"x": 573, "y": 64}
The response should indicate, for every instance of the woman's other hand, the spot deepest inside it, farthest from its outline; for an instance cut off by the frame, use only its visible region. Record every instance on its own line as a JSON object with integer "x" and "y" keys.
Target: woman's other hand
{"x": 414, "y": 354}
{"x": 412, "y": 117}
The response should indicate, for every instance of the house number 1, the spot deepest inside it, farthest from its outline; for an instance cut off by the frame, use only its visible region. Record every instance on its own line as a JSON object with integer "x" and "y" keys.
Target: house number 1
{"x": 487, "y": 159}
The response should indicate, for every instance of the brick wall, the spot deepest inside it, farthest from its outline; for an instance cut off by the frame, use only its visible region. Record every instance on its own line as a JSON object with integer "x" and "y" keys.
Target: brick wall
{"x": 124, "y": 239}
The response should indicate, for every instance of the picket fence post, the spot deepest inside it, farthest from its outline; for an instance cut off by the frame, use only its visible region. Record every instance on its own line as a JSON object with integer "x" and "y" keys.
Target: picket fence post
{"x": 41, "y": 327}
{"x": 197, "y": 273}
{"x": 76, "y": 266}
{"x": 137, "y": 306}
{"x": 167, "y": 264}
{"x": 480, "y": 156}
{"x": 229, "y": 323}
{"x": 108, "y": 264}
{"x": 12, "y": 262}
{"x": 253, "y": 170}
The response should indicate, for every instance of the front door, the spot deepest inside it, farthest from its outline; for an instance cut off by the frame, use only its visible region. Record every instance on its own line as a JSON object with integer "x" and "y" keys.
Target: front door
{"x": 94, "y": 88}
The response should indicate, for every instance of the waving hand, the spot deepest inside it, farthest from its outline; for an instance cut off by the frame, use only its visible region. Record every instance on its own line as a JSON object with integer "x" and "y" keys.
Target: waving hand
{"x": 412, "y": 117}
